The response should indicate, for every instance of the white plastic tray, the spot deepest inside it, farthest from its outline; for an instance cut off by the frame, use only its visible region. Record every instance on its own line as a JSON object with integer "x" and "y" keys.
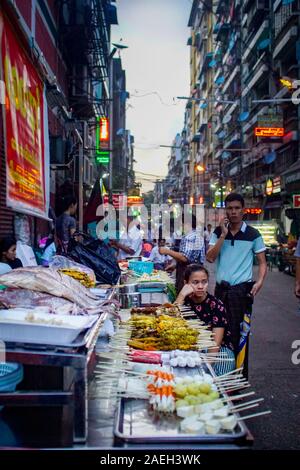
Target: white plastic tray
{"x": 45, "y": 329}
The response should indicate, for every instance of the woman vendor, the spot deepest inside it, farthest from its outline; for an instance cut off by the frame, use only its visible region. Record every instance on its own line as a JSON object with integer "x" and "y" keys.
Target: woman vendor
{"x": 211, "y": 311}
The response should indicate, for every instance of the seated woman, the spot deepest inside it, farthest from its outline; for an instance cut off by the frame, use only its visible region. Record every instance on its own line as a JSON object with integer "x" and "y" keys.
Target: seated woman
{"x": 8, "y": 247}
{"x": 211, "y": 311}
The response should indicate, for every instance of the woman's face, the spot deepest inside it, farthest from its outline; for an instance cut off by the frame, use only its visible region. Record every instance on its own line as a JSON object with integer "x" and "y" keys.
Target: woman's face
{"x": 199, "y": 281}
{"x": 10, "y": 254}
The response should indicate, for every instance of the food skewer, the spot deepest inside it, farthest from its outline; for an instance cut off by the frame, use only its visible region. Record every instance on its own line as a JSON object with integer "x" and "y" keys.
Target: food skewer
{"x": 255, "y": 415}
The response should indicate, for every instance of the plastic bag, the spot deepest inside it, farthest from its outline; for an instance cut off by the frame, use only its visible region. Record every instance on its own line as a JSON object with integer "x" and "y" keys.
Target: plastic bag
{"x": 61, "y": 262}
{"x": 97, "y": 256}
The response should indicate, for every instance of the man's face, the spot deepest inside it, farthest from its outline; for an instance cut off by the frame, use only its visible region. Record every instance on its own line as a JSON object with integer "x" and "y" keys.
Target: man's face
{"x": 234, "y": 211}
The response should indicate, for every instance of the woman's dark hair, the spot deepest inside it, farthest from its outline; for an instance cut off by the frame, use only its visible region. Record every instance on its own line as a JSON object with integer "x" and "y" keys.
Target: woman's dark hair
{"x": 6, "y": 243}
{"x": 194, "y": 268}
{"x": 234, "y": 197}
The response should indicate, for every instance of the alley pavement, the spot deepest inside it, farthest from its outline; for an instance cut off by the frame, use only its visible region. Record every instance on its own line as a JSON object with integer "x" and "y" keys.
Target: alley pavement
{"x": 275, "y": 326}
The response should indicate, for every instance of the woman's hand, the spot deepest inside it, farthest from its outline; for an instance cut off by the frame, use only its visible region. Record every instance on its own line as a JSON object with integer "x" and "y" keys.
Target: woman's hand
{"x": 186, "y": 291}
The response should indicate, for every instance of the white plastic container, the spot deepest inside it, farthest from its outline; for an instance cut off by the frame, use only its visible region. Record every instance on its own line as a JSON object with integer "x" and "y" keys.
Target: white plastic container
{"x": 43, "y": 328}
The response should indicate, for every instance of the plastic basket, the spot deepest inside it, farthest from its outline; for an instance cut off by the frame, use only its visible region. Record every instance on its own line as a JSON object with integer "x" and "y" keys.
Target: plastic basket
{"x": 10, "y": 375}
{"x": 141, "y": 267}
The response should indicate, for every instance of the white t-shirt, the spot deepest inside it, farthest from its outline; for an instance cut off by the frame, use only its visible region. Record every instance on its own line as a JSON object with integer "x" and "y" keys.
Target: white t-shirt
{"x": 133, "y": 240}
{"x": 156, "y": 257}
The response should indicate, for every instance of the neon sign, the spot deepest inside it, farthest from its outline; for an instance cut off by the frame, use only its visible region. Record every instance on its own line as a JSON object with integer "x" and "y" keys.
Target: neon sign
{"x": 269, "y": 131}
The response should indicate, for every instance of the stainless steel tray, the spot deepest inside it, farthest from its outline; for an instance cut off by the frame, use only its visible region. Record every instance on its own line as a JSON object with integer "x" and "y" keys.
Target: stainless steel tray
{"x": 137, "y": 423}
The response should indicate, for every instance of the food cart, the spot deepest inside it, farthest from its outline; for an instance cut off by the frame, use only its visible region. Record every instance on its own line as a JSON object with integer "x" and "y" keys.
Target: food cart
{"x": 76, "y": 392}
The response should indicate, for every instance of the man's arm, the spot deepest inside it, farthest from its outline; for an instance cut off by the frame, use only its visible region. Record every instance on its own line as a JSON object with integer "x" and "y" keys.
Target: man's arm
{"x": 262, "y": 272}
{"x": 123, "y": 247}
{"x": 175, "y": 254}
{"x": 214, "y": 250}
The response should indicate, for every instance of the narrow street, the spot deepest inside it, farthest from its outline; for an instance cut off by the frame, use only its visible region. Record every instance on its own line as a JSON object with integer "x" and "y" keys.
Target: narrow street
{"x": 276, "y": 324}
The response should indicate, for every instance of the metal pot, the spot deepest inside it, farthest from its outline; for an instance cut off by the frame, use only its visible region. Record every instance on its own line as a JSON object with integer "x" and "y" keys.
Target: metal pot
{"x": 129, "y": 300}
{"x": 128, "y": 289}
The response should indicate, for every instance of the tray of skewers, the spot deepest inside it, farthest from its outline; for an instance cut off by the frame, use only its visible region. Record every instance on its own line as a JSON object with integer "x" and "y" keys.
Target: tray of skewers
{"x": 179, "y": 408}
{"x": 161, "y": 375}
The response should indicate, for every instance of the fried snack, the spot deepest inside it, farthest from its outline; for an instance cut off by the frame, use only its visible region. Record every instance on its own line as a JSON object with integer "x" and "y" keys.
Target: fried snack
{"x": 80, "y": 276}
{"x": 163, "y": 333}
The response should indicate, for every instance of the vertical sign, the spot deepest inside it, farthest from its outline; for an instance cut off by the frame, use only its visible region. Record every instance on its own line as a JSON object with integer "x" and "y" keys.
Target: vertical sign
{"x": 102, "y": 140}
{"x": 24, "y": 115}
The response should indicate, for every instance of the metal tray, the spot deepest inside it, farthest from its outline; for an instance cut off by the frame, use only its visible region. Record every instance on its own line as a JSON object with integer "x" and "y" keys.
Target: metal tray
{"x": 137, "y": 423}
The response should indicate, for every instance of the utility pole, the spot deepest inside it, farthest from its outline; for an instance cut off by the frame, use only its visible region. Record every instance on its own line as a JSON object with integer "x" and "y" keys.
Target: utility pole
{"x": 80, "y": 177}
{"x": 221, "y": 181}
{"x": 111, "y": 142}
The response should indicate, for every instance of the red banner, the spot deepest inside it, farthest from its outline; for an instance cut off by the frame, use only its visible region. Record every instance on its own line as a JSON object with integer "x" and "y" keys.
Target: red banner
{"x": 24, "y": 117}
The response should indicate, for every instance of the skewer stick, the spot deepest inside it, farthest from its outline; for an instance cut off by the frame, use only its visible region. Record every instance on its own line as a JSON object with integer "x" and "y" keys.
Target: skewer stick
{"x": 239, "y": 397}
{"x": 232, "y": 372}
{"x": 241, "y": 405}
{"x": 255, "y": 415}
{"x": 244, "y": 408}
{"x": 235, "y": 389}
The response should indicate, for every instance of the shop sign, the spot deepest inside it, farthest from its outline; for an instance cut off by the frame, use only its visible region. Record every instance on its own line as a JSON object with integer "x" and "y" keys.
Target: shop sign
{"x": 276, "y": 185}
{"x": 269, "y": 187}
{"x": 292, "y": 177}
{"x": 135, "y": 201}
{"x": 26, "y": 128}
{"x": 270, "y": 120}
{"x": 296, "y": 201}
{"x": 102, "y": 140}
{"x": 269, "y": 131}
{"x": 253, "y": 210}
{"x": 118, "y": 200}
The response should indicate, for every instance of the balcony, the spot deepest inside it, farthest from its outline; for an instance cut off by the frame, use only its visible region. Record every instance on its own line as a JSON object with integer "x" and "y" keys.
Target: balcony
{"x": 288, "y": 39}
{"x": 230, "y": 79}
{"x": 283, "y": 16}
{"x": 254, "y": 38}
{"x": 257, "y": 13}
{"x": 259, "y": 71}
{"x": 232, "y": 140}
{"x": 207, "y": 58}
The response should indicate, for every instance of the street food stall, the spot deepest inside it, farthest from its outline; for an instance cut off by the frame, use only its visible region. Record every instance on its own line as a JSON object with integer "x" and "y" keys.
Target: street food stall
{"x": 101, "y": 377}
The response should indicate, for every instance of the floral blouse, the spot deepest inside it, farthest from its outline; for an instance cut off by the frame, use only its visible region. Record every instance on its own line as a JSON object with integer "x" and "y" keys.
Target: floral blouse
{"x": 213, "y": 313}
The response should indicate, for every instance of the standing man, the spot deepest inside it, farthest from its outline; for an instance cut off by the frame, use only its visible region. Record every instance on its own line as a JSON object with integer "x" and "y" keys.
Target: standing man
{"x": 191, "y": 250}
{"x": 66, "y": 224}
{"x": 233, "y": 244}
{"x": 131, "y": 240}
{"x": 297, "y": 256}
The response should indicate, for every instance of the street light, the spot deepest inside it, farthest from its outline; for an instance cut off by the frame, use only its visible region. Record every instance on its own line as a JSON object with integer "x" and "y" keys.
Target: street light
{"x": 200, "y": 168}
